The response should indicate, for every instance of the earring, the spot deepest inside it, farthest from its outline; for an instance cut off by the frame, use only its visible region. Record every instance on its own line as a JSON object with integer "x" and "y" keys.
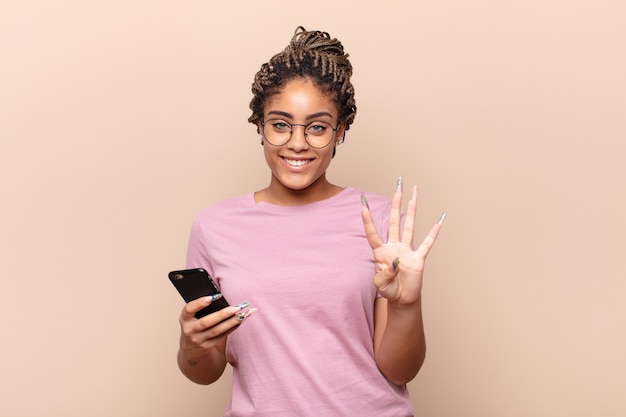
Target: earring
{"x": 261, "y": 137}
{"x": 341, "y": 139}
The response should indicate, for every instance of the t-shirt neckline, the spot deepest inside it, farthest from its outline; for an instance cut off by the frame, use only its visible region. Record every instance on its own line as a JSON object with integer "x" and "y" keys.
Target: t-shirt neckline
{"x": 276, "y": 208}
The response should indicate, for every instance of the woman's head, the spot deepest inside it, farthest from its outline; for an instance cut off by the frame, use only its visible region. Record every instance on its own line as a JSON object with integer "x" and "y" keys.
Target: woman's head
{"x": 312, "y": 55}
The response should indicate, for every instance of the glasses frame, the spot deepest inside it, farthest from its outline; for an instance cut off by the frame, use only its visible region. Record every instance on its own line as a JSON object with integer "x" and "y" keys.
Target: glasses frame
{"x": 291, "y": 125}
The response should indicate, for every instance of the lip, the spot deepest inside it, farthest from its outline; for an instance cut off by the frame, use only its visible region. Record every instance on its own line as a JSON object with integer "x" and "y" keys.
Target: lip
{"x": 296, "y": 168}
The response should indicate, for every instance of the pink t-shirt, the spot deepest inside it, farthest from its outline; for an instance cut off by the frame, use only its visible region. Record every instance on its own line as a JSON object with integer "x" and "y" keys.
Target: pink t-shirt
{"x": 308, "y": 351}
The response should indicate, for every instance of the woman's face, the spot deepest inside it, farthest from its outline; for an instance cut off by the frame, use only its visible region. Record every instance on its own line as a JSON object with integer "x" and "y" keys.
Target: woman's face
{"x": 296, "y": 166}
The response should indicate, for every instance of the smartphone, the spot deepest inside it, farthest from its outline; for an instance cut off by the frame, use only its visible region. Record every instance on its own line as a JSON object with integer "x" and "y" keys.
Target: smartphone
{"x": 195, "y": 283}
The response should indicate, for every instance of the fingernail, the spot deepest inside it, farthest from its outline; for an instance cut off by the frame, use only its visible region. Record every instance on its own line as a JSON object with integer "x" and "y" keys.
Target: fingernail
{"x": 364, "y": 200}
{"x": 217, "y": 296}
{"x": 245, "y": 314}
{"x": 242, "y": 306}
{"x": 442, "y": 218}
{"x": 399, "y": 184}
{"x": 395, "y": 263}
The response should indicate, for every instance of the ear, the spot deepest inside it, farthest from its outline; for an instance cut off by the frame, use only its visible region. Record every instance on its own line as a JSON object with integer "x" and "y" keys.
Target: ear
{"x": 258, "y": 131}
{"x": 340, "y": 136}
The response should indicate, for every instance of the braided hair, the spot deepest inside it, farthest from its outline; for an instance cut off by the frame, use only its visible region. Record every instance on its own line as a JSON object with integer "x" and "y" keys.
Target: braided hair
{"x": 313, "y": 55}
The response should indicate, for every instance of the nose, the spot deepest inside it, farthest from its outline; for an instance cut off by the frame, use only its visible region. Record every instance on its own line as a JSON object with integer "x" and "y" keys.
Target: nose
{"x": 298, "y": 138}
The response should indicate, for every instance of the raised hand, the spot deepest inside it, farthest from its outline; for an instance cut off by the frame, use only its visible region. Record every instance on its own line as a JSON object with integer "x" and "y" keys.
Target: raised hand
{"x": 399, "y": 268}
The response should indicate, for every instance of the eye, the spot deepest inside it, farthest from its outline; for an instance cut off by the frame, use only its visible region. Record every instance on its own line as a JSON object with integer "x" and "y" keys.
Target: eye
{"x": 317, "y": 128}
{"x": 279, "y": 125}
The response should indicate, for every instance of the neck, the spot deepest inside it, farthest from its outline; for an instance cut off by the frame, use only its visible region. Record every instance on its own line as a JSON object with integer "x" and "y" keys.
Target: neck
{"x": 277, "y": 193}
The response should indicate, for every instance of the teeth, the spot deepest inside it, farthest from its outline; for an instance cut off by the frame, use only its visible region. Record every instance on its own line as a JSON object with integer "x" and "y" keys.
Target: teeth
{"x": 296, "y": 163}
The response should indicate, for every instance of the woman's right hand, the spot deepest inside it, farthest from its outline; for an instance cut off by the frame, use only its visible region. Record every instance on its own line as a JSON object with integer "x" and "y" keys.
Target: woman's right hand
{"x": 199, "y": 336}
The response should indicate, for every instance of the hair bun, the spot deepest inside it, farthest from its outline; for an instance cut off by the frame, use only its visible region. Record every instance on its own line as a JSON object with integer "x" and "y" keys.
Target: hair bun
{"x": 319, "y": 42}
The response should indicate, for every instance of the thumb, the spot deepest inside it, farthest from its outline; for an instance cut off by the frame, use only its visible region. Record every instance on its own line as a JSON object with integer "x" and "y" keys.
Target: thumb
{"x": 386, "y": 274}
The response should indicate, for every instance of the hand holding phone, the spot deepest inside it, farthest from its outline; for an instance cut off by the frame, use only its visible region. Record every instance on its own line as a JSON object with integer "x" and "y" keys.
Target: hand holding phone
{"x": 195, "y": 283}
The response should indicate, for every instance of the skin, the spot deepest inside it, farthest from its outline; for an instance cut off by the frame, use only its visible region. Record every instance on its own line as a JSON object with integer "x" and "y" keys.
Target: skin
{"x": 300, "y": 102}
{"x": 399, "y": 342}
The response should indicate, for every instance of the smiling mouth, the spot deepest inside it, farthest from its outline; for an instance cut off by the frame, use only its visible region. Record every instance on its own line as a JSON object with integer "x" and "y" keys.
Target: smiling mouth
{"x": 297, "y": 162}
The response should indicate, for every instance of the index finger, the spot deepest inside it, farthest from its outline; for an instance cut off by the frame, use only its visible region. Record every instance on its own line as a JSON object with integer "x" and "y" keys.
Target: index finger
{"x": 371, "y": 233}
{"x": 192, "y": 307}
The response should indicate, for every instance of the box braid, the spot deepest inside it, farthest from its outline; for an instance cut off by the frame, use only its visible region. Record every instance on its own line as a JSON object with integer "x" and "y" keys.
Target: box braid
{"x": 313, "y": 55}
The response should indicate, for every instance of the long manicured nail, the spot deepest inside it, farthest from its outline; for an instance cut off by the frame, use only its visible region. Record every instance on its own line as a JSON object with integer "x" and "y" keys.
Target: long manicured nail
{"x": 214, "y": 297}
{"x": 442, "y": 218}
{"x": 245, "y": 314}
{"x": 364, "y": 200}
{"x": 399, "y": 184}
{"x": 242, "y": 306}
{"x": 395, "y": 263}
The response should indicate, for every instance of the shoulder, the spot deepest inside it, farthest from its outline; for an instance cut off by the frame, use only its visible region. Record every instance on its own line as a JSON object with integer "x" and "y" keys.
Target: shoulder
{"x": 225, "y": 209}
{"x": 376, "y": 202}
{"x": 232, "y": 203}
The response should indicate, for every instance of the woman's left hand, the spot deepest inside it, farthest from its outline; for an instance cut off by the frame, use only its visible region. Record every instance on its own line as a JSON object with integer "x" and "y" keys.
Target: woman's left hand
{"x": 399, "y": 268}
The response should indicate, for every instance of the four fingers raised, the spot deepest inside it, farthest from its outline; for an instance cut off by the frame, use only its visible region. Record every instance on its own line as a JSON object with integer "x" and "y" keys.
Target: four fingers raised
{"x": 405, "y": 235}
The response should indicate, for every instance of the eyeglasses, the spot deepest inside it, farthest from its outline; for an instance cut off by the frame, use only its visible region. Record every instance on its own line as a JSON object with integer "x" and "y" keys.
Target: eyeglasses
{"x": 318, "y": 134}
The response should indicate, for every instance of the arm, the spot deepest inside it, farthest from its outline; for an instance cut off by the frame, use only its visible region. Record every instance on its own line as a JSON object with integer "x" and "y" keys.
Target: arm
{"x": 399, "y": 341}
{"x": 202, "y": 370}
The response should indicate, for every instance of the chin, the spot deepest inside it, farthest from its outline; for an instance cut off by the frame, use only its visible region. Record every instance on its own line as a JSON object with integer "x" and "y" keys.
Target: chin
{"x": 299, "y": 184}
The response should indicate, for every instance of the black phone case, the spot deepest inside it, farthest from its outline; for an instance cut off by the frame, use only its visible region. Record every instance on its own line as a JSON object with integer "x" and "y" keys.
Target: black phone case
{"x": 195, "y": 283}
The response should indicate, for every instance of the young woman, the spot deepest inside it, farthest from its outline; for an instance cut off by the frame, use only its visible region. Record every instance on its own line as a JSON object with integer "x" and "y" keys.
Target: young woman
{"x": 330, "y": 271}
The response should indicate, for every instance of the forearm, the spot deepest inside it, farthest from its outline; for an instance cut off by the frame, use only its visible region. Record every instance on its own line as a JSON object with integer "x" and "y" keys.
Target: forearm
{"x": 203, "y": 370}
{"x": 401, "y": 350}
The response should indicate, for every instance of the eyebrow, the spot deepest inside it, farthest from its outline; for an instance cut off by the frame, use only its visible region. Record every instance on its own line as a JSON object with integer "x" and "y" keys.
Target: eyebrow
{"x": 309, "y": 117}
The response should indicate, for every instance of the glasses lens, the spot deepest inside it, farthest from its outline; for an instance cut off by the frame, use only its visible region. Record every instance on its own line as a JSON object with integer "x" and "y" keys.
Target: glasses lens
{"x": 277, "y": 132}
{"x": 317, "y": 134}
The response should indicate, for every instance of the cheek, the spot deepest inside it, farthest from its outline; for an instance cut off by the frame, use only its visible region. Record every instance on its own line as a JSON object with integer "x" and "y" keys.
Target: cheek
{"x": 326, "y": 158}
{"x": 267, "y": 153}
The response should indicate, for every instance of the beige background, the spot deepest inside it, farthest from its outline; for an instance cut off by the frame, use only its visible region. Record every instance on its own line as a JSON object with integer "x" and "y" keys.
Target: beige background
{"x": 120, "y": 120}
